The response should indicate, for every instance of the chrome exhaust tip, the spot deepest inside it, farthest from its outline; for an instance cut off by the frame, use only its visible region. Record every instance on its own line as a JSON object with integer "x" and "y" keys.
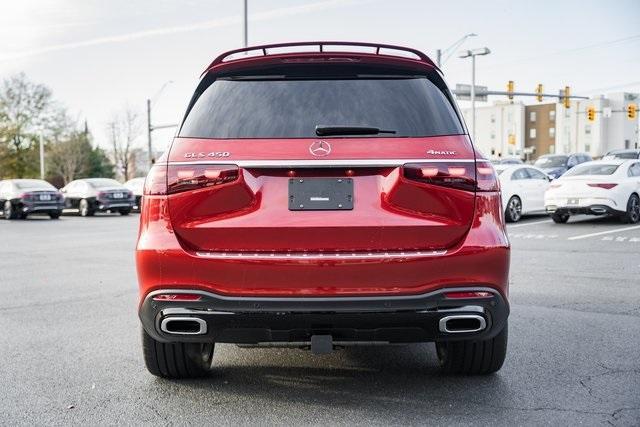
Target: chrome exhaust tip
{"x": 183, "y": 326}
{"x": 462, "y": 324}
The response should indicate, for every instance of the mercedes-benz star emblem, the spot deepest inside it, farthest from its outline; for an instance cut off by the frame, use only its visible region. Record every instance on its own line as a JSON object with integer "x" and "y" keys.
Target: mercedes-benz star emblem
{"x": 320, "y": 148}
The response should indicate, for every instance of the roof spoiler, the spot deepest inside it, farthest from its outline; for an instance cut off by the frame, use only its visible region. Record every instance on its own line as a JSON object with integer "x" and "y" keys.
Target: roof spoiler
{"x": 324, "y": 47}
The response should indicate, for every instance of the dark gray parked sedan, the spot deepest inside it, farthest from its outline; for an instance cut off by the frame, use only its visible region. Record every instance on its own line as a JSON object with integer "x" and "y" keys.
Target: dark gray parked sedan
{"x": 92, "y": 195}
{"x": 22, "y": 197}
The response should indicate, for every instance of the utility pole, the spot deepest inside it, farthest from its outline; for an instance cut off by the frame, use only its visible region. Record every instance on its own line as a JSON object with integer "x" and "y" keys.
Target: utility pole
{"x": 473, "y": 53}
{"x": 245, "y": 26}
{"x": 149, "y": 129}
{"x": 41, "y": 157}
{"x": 438, "y": 57}
{"x": 440, "y": 53}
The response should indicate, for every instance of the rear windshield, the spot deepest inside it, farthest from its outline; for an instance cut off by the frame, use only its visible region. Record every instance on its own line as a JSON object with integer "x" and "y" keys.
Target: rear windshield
{"x": 626, "y": 155}
{"x": 597, "y": 169}
{"x": 551, "y": 161}
{"x": 33, "y": 183}
{"x": 288, "y": 108}
{"x": 103, "y": 182}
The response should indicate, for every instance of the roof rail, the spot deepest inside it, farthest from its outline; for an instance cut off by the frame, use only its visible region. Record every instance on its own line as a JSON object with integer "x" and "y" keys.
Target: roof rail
{"x": 322, "y": 47}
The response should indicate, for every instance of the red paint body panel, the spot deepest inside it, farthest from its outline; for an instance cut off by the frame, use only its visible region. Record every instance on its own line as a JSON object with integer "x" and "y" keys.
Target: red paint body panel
{"x": 462, "y": 232}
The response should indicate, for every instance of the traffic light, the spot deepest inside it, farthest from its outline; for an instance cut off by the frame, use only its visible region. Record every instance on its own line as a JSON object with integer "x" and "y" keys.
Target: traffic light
{"x": 510, "y": 87}
{"x": 591, "y": 113}
{"x": 632, "y": 111}
{"x": 539, "y": 92}
{"x": 566, "y": 101}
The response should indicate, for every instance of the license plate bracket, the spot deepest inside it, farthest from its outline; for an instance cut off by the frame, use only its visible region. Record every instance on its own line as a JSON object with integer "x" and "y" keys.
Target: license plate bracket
{"x": 320, "y": 194}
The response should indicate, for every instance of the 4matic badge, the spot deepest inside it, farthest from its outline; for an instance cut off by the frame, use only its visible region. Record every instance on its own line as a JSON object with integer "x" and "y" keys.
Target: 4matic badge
{"x": 441, "y": 152}
{"x": 201, "y": 155}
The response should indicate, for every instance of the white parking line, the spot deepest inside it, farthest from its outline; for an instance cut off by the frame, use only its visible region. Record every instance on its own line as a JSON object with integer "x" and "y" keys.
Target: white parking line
{"x": 617, "y": 230}
{"x": 528, "y": 223}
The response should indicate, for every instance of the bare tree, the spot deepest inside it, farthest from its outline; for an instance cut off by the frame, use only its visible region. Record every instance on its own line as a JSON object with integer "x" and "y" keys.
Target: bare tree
{"x": 26, "y": 110}
{"x": 69, "y": 157}
{"x": 124, "y": 128}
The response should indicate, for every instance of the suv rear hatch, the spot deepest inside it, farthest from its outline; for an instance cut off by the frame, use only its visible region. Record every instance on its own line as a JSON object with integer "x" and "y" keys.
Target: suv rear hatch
{"x": 248, "y": 159}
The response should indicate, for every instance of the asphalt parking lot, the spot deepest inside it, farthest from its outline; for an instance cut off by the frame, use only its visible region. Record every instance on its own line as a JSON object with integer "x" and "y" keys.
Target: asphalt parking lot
{"x": 70, "y": 347}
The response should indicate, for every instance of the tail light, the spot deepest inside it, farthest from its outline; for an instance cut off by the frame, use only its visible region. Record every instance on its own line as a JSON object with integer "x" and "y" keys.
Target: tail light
{"x": 59, "y": 196}
{"x": 177, "y": 297}
{"x": 178, "y": 178}
{"x": 478, "y": 176}
{"x": 102, "y": 195}
{"x": 468, "y": 294}
{"x": 605, "y": 186}
{"x": 26, "y": 196}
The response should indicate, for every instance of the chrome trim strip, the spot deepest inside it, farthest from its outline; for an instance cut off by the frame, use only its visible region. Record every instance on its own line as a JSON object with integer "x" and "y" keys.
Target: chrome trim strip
{"x": 200, "y": 322}
{"x": 319, "y": 255}
{"x": 442, "y": 324}
{"x": 337, "y": 163}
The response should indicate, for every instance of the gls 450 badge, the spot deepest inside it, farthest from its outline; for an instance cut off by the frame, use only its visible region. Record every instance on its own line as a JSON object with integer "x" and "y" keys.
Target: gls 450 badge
{"x": 201, "y": 155}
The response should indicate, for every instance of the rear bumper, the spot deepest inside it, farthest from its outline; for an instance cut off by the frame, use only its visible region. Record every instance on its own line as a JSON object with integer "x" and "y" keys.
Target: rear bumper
{"x": 386, "y": 319}
{"x": 591, "y": 209}
{"x": 105, "y": 205}
{"x": 44, "y": 208}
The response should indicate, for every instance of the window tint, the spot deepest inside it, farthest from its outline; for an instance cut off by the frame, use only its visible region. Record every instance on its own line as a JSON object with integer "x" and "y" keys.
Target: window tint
{"x": 520, "y": 174}
{"x": 289, "y": 108}
{"x": 634, "y": 169}
{"x": 551, "y": 161}
{"x": 534, "y": 174}
{"x": 33, "y": 183}
{"x": 592, "y": 169}
{"x": 103, "y": 182}
{"x": 626, "y": 155}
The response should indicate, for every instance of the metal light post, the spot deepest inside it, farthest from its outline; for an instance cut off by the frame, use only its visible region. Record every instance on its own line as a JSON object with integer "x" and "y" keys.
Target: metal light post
{"x": 473, "y": 53}
{"x": 150, "y": 128}
{"x": 440, "y": 53}
{"x": 245, "y": 26}
{"x": 41, "y": 156}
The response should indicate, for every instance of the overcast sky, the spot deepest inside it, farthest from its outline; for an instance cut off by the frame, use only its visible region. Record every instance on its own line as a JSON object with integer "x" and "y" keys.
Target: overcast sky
{"x": 98, "y": 55}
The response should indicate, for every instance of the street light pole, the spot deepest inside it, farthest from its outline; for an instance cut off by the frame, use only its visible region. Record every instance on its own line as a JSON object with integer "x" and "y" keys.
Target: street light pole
{"x": 466, "y": 54}
{"x": 441, "y": 52}
{"x": 150, "y": 127}
{"x": 41, "y": 157}
{"x": 149, "y": 144}
{"x": 245, "y": 26}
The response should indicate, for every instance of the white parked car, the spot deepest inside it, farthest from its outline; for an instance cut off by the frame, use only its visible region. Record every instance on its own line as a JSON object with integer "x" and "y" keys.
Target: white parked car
{"x": 523, "y": 189}
{"x": 603, "y": 187}
{"x": 136, "y": 185}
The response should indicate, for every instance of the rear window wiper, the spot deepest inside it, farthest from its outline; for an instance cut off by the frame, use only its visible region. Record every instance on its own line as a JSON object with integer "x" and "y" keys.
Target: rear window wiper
{"x": 322, "y": 130}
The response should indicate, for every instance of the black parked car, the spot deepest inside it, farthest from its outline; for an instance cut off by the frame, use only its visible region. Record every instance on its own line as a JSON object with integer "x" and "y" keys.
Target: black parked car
{"x": 22, "y": 197}
{"x": 92, "y": 195}
{"x": 555, "y": 165}
{"x": 623, "y": 154}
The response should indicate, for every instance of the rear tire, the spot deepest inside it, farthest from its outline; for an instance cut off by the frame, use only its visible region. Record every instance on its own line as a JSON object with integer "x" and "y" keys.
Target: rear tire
{"x": 85, "y": 208}
{"x": 513, "y": 211}
{"x": 632, "y": 216}
{"x": 55, "y": 215}
{"x": 8, "y": 211}
{"x": 560, "y": 218}
{"x": 125, "y": 211}
{"x": 177, "y": 360}
{"x": 473, "y": 357}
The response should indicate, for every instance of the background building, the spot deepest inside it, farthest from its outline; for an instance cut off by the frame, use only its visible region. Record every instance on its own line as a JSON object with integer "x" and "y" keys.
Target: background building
{"x": 540, "y": 130}
{"x": 499, "y": 128}
{"x": 504, "y": 129}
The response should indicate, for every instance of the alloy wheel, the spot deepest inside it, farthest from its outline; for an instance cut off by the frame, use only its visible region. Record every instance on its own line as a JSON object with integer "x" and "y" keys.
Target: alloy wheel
{"x": 515, "y": 209}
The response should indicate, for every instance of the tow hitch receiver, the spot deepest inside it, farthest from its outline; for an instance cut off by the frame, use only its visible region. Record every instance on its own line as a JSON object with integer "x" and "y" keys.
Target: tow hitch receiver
{"x": 321, "y": 344}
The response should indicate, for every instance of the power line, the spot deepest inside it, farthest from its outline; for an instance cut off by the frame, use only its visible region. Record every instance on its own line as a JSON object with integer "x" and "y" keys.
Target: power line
{"x": 571, "y": 50}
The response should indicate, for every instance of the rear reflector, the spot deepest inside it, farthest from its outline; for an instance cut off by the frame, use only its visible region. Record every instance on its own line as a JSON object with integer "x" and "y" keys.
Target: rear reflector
{"x": 462, "y": 176}
{"x": 468, "y": 294}
{"x": 177, "y": 297}
{"x": 178, "y": 178}
{"x": 605, "y": 186}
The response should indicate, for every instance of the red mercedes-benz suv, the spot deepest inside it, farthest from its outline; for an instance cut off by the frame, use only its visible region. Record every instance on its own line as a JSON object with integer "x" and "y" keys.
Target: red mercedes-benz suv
{"x": 318, "y": 195}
